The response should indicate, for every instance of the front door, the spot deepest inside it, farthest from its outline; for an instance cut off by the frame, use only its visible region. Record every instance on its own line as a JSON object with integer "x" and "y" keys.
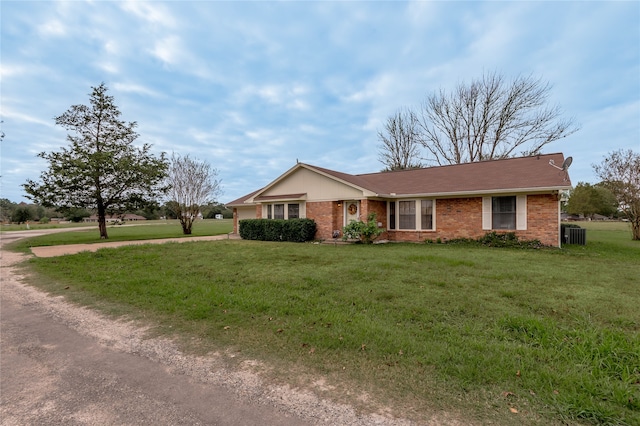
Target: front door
{"x": 352, "y": 211}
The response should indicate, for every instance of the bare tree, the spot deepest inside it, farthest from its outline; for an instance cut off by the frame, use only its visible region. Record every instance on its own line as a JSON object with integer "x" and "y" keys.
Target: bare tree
{"x": 192, "y": 184}
{"x": 490, "y": 119}
{"x": 400, "y": 141}
{"x": 620, "y": 173}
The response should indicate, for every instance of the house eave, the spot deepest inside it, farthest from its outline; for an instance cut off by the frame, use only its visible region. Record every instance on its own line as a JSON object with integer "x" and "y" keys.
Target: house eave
{"x": 276, "y": 198}
{"x": 477, "y": 193}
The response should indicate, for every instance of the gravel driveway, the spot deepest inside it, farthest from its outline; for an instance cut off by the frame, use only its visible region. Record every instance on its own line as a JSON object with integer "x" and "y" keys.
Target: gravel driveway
{"x": 63, "y": 364}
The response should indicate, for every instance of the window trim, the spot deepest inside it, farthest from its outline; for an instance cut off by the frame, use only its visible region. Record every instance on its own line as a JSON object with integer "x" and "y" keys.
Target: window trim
{"x": 520, "y": 213}
{"x": 289, "y": 206}
{"x": 395, "y": 224}
{"x": 276, "y": 207}
{"x": 410, "y": 206}
{"x": 268, "y": 209}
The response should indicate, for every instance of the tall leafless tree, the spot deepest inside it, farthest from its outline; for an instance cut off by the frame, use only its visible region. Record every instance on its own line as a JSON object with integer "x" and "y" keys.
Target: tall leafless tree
{"x": 620, "y": 173}
{"x": 400, "y": 142}
{"x": 193, "y": 184}
{"x": 490, "y": 118}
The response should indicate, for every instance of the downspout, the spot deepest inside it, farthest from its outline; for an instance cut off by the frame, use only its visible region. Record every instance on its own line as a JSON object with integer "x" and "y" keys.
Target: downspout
{"x": 559, "y": 221}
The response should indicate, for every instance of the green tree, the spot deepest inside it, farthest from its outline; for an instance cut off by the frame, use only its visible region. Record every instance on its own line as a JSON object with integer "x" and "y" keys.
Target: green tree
{"x": 212, "y": 209}
{"x": 6, "y": 209}
{"x": 101, "y": 170}
{"x": 75, "y": 214}
{"x": 169, "y": 209}
{"x": 620, "y": 173}
{"x": 21, "y": 214}
{"x": 151, "y": 211}
{"x": 590, "y": 200}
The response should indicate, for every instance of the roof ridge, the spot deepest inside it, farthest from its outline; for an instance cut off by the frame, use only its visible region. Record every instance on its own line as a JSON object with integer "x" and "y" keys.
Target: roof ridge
{"x": 459, "y": 164}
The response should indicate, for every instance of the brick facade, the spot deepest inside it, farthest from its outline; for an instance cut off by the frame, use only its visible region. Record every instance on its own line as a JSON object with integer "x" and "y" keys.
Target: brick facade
{"x": 328, "y": 216}
{"x": 542, "y": 219}
{"x": 454, "y": 218}
{"x": 462, "y": 218}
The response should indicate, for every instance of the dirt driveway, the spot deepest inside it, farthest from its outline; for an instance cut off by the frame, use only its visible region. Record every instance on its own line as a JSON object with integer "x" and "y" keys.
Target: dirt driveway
{"x": 52, "y": 251}
{"x": 61, "y": 364}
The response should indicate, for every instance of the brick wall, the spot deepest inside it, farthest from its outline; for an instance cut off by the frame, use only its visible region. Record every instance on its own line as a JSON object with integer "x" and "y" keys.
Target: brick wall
{"x": 542, "y": 219}
{"x": 328, "y": 217}
{"x": 462, "y": 218}
{"x": 380, "y": 209}
{"x": 455, "y": 218}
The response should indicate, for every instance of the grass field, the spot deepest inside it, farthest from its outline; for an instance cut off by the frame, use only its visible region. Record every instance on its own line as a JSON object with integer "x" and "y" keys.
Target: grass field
{"x": 502, "y": 336}
{"x": 144, "y": 231}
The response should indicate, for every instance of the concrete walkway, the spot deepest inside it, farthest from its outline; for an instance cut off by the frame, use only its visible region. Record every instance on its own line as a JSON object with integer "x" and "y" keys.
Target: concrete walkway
{"x": 52, "y": 251}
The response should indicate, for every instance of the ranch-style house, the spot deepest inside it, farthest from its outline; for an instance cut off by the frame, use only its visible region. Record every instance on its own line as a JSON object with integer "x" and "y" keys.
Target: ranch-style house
{"x": 520, "y": 195}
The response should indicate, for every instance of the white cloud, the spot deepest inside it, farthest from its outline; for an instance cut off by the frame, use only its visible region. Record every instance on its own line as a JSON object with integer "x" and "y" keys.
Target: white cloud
{"x": 152, "y": 12}
{"x": 168, "y": 50}
{"x": 289, "y": 96}
{"x": 52, "y": 28}
{"x": 109, "y": 67}
{"x": 12, "y": 70}
{"x": 7, "y": 114}
{"x": 135, "y": 88}
{"x": 251, "y": 86}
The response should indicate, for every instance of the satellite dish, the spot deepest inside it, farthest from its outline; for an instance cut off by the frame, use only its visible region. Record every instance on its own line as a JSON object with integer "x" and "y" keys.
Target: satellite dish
{"x": 565, "y": 164}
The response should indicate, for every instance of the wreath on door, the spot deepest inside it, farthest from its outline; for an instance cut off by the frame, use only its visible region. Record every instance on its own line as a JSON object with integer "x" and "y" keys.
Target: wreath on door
{"x": 352, "y": 209}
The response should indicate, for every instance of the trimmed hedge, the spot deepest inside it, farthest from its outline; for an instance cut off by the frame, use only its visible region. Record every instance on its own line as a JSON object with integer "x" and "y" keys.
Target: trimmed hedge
{"x": 294, "y": 230}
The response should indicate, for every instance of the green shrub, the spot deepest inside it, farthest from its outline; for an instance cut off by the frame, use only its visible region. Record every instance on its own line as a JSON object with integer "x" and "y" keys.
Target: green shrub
{"x": 495, "y": 239}
{"x": 365, "y": 232}
{"x": 294, "y": 230}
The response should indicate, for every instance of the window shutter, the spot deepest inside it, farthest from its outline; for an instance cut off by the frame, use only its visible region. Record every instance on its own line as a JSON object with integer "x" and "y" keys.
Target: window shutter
{"x": 434, "y": 216}
{"x": 521, "y": 212}
{"x": 486, "y": 213}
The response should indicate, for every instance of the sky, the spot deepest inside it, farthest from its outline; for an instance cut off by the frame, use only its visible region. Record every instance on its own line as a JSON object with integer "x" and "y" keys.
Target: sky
{"x": 253, "y": 87}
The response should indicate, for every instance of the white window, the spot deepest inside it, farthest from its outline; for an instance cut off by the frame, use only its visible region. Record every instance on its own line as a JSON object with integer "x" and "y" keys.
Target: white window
{"x": 426, "y": 214}
{"x": 412, "y": 215}
{"x": 507, "y": 212}
{"x": 407, "y": 215}
{"x": 293, "y": 211}
{"x": 283, "y": 210}
{"x": 278, "y": 211}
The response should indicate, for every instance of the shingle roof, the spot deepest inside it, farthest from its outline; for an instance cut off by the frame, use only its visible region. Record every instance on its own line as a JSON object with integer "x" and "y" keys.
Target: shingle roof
{"x": 244, "y": 198}
{"x": 533, "y": 173}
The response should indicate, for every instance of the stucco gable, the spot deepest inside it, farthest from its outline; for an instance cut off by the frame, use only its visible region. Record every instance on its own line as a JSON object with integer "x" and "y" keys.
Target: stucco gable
{"x": 310, "y": 184}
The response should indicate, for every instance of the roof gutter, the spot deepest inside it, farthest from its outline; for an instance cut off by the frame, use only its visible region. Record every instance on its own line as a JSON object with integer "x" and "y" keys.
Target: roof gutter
{"x": 478, "y": 192}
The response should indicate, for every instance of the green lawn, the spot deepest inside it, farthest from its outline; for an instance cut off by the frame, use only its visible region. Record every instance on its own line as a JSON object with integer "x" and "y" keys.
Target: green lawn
{"x": 138, "y": 231}
{"x": 502, "y": 336}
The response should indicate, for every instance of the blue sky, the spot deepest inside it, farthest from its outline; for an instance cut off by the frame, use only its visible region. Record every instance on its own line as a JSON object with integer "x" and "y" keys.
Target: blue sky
{"x": 252, "y": 86}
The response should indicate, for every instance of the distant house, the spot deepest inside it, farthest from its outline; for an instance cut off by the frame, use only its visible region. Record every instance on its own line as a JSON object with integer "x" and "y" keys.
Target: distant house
{"x": 116, "y": 218}
{"x": 520, "y": 195}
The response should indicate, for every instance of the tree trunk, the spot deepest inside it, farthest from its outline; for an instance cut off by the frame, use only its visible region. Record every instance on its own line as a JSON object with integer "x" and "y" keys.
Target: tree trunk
{"x": 186, "y": 226}
{"x": 635, "y": 228}
{"x": 102, "y": 222}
